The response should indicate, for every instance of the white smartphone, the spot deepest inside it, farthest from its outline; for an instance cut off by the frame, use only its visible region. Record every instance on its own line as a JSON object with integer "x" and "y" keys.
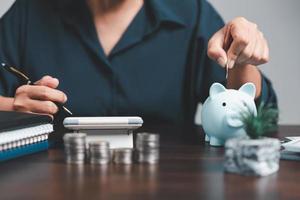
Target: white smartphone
{"x": 103, "y": 123}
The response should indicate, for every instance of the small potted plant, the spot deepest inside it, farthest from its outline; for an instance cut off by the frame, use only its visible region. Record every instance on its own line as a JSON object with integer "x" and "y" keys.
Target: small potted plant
{"x": 255, "y": 154}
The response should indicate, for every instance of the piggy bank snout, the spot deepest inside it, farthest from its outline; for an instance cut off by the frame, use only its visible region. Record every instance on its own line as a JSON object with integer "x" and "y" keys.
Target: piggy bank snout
{"x": 233, "y": 116}
{"x": 233, "y": 119}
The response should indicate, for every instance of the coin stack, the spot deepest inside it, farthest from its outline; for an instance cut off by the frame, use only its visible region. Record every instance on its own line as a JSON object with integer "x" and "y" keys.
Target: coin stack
{"x": 122, "y": 156}
{"x": 75, "y": 147}
{"x": 99, "y": 152}
{"x": 147, "y": 148}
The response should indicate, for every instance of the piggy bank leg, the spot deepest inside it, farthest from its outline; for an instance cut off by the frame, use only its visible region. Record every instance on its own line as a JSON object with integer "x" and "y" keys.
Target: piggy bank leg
{"x": 216, "y": 142}
{"x": 206, "y": 138}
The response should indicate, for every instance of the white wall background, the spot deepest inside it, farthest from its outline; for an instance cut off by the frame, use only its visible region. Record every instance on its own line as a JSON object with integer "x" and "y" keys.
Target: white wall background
{"x": 4, "y": 5}
{"x": 279, "y": 20}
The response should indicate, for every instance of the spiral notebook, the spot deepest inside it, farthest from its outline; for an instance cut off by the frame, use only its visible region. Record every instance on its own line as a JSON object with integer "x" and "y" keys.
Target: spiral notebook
{"x": 23, "y": 133}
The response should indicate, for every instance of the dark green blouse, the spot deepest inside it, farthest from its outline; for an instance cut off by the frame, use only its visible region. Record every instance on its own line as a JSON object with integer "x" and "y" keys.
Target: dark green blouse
{"x": 147, "y": 73}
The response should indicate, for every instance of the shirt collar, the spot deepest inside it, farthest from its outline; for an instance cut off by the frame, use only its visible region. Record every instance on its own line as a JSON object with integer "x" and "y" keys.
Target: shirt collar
{"x": 153, "y": 15}
{"x": 163, "y": 11}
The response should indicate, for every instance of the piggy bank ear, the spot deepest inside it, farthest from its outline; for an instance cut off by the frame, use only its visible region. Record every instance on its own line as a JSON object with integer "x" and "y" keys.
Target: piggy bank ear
{"x": 215, "y": 89}
{"x": 248, "y": 88}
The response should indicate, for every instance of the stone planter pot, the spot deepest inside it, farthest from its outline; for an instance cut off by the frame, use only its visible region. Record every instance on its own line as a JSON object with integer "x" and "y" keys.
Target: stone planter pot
{"x": 256, "y": 157}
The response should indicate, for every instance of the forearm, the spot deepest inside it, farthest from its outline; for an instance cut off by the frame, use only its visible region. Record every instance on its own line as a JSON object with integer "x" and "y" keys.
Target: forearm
{"x": 6, "y": 103}
{"x": 243, "y": 74}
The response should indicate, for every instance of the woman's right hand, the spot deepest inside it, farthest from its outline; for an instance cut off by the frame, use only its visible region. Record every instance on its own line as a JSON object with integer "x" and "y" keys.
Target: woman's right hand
{"x": 40, "y": 97}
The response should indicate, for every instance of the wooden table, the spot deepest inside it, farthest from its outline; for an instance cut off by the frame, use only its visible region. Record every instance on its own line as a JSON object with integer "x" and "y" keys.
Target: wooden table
{"x": 185, "y": 172}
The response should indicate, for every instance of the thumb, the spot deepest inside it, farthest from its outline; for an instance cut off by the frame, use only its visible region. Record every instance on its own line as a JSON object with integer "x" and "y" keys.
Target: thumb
{"x": 48, "y": 81}
{"x": 215, "y": 49}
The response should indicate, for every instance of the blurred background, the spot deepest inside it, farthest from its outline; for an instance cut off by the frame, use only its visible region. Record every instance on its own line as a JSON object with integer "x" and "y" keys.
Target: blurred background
{"x": 279, "y": 21}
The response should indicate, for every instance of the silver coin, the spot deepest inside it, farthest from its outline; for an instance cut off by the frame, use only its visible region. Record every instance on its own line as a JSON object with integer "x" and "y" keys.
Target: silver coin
{"x": 103, "y": 152}
{"x": 99, "y": 144}
{"x": 75, "y": 147}
{"x": 151, "y": 159}
{"x": 100, "y": 156}
{"x": 122, "y": 156}
{"x": 147, "y": 145}
{"x": 147, "y": 137}
{"x": 74, "y": 137}
{"x": 123, "y": 151}
{"x": 147, "y": 148}
{"x": 99, "y": 152}
{"x": 75, "y": 141}
{"x": 148, "y": 156}
{"x": 148, "y": 142}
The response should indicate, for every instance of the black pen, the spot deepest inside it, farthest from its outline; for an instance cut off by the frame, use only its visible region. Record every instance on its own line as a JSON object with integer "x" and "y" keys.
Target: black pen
{"x": 26, "y": 79}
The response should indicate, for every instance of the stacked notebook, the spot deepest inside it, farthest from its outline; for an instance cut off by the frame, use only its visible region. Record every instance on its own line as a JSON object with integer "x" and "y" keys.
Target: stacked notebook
{"x": 23, "y": 133}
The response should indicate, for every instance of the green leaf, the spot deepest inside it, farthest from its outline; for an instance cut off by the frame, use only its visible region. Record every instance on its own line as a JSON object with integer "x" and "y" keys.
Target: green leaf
{"x": 262, "y": 124}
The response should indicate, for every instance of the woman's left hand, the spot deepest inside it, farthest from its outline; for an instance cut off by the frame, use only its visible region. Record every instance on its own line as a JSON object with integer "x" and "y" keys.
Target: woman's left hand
{"x": 239, "y": 43}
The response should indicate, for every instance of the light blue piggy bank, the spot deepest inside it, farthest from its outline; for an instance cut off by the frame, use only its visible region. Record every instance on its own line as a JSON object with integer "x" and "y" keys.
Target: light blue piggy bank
{"x": 221, "y": 112}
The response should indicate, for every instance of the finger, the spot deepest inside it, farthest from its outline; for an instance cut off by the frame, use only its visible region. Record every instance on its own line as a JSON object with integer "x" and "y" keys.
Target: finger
{"x": 46, "y": 94}
{"x": 247, "y": 54}
{"x": 48, "y": 81}
{"x": 215, "y": 49}
{"x": 257, "y": 56}
{"x": 35, "y": 106}
{"x": 266, "y": 55}
{"x": 240, "y": 41}
{"x": 265, "y": 50}
{"x": 43, "y": 107}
